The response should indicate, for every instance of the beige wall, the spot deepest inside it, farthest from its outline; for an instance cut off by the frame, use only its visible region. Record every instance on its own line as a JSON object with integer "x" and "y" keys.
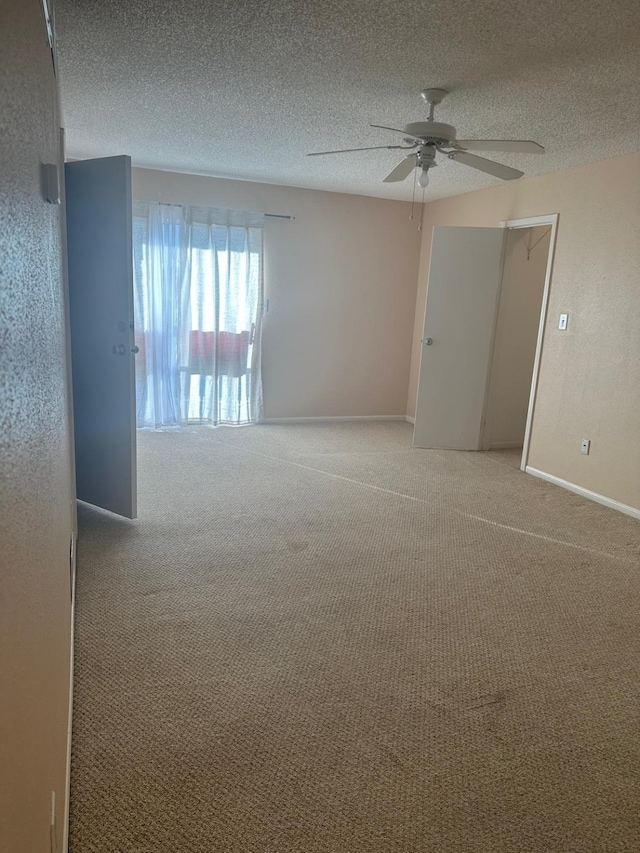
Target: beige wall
{"x": 341, "y": 283}
{"x": 590, "y": 374}
{"x": 516, "y": 334}
{"x": 35, "y": 488}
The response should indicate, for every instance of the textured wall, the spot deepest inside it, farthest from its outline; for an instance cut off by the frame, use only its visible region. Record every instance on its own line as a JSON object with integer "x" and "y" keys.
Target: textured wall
{"x": 516, "y": 334}
{"x": 35, "y": 517}
{"x": 590, "y": 375}
{"x": 341, "y": 282}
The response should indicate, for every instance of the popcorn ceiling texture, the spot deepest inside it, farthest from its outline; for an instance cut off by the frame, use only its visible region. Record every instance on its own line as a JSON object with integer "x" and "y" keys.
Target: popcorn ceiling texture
{"x": 245, "y": 90}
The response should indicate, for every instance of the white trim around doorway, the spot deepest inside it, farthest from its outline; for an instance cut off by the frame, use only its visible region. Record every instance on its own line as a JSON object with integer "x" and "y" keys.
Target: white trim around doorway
{"x": 531, "y": 222}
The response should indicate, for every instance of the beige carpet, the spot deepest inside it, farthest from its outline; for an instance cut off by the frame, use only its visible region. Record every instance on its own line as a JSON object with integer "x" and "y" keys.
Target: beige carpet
{"x": 317, "y": 639}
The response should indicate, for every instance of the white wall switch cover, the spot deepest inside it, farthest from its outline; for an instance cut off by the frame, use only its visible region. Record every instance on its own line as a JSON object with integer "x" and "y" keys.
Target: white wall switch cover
{"x": 564, "y": 319}
{"x": 584, "y": 447}
{"x": 50, "y": 183}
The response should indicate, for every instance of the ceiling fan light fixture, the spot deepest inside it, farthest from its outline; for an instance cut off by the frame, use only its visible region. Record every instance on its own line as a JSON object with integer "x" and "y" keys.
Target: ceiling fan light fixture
{"x": 423, "y": 177}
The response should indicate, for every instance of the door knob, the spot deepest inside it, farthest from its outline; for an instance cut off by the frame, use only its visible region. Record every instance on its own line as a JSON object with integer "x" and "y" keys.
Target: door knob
{"x": 428, "y": 342}
{"x": 136, "y": 348}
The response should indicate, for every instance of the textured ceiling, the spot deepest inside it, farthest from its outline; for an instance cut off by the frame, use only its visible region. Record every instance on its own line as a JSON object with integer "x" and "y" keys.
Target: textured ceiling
{"x": 245, "y": 88}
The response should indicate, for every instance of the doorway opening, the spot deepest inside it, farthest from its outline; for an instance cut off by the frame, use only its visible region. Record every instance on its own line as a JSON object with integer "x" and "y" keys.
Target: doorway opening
{"x": 485, "y": 315}
{"x": 519, "y": 331}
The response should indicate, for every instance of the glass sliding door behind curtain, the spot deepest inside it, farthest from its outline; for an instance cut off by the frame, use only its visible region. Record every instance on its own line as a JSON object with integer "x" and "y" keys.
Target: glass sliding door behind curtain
{"x": 198, "y": 302}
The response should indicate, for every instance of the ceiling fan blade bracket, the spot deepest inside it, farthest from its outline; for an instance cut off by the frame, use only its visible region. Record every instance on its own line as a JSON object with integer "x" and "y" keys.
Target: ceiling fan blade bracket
{"x": 349, "y": 150}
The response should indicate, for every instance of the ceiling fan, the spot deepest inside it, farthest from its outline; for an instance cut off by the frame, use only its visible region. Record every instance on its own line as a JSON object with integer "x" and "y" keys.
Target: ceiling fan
{"x": 426, "y": 138}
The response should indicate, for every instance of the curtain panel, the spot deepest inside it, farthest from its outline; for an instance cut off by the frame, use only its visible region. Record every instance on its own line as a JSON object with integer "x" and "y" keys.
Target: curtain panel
{"x": 198, "y": 277}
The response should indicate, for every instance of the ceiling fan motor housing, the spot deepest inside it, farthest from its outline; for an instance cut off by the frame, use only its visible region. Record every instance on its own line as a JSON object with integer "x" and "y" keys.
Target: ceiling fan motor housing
{"x": 426, "y": 156}
{"x": 432, "y": 131}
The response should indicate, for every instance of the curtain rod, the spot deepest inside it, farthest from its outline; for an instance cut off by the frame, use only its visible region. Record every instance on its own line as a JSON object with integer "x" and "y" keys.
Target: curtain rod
{"x": 270, "y": 215}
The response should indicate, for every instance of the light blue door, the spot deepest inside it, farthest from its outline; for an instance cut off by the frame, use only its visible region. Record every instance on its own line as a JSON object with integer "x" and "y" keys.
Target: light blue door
{"x": 99, "y": 246}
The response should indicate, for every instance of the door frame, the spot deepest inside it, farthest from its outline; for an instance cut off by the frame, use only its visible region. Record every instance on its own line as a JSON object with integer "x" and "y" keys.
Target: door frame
{"x": 531, "y": 222}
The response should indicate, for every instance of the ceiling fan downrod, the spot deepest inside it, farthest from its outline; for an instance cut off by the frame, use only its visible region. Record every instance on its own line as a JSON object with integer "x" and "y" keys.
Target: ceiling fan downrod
{"x": 433, "y": 97}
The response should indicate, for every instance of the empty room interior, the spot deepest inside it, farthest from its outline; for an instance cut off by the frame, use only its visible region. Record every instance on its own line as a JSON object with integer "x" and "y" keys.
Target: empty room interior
{"x": 319, "y": 420}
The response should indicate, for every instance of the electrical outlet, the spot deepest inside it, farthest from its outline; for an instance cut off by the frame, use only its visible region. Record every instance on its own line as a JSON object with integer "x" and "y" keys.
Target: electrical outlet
{"x": 585, "y": 446}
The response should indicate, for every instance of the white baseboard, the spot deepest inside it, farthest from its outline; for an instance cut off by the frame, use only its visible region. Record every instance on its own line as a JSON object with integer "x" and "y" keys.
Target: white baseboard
{"x": 505, "y": 445}
{"x": 335, "y": 419}
{"x": 585, "y": 493}
{"x": 410, "y": 420}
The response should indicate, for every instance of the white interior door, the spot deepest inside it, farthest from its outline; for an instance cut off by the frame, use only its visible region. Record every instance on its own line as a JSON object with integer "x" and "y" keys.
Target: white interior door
{"x": 462, "y": 299}
{"x": 99, "y": 246}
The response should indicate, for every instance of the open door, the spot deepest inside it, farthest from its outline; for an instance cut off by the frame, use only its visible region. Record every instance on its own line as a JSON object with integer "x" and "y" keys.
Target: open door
{"x": 460, "y": 314}
{"x": 99, "y": 247}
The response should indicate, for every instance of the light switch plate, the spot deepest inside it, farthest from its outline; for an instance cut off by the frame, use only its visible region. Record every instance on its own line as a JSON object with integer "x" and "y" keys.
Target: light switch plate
{"x": 585, "y": 446}
{"x": 564, "y": 319}
{"x": 50, "y": 183}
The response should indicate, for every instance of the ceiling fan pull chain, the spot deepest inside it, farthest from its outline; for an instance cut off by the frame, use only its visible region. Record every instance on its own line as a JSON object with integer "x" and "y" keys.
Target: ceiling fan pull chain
{"x": 413, "y": 197}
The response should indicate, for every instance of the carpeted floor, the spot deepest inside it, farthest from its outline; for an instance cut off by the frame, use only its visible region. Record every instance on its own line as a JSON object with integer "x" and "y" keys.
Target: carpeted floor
{"x": 317, "y": 639}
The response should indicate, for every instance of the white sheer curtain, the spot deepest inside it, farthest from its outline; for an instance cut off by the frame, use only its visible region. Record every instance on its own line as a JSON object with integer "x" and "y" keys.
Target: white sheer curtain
{"x": 161, "y": 276}
{"x": 198, "y": 308}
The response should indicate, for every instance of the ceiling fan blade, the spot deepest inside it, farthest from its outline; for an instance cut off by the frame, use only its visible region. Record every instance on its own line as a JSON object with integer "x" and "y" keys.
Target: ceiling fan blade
{"x": 347, "y": 150}
{"x": 512, "y": 146}
{"x": 484, "y": 165}
{"x": 395, "y": 130}
{"x": 402, "y": 170}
